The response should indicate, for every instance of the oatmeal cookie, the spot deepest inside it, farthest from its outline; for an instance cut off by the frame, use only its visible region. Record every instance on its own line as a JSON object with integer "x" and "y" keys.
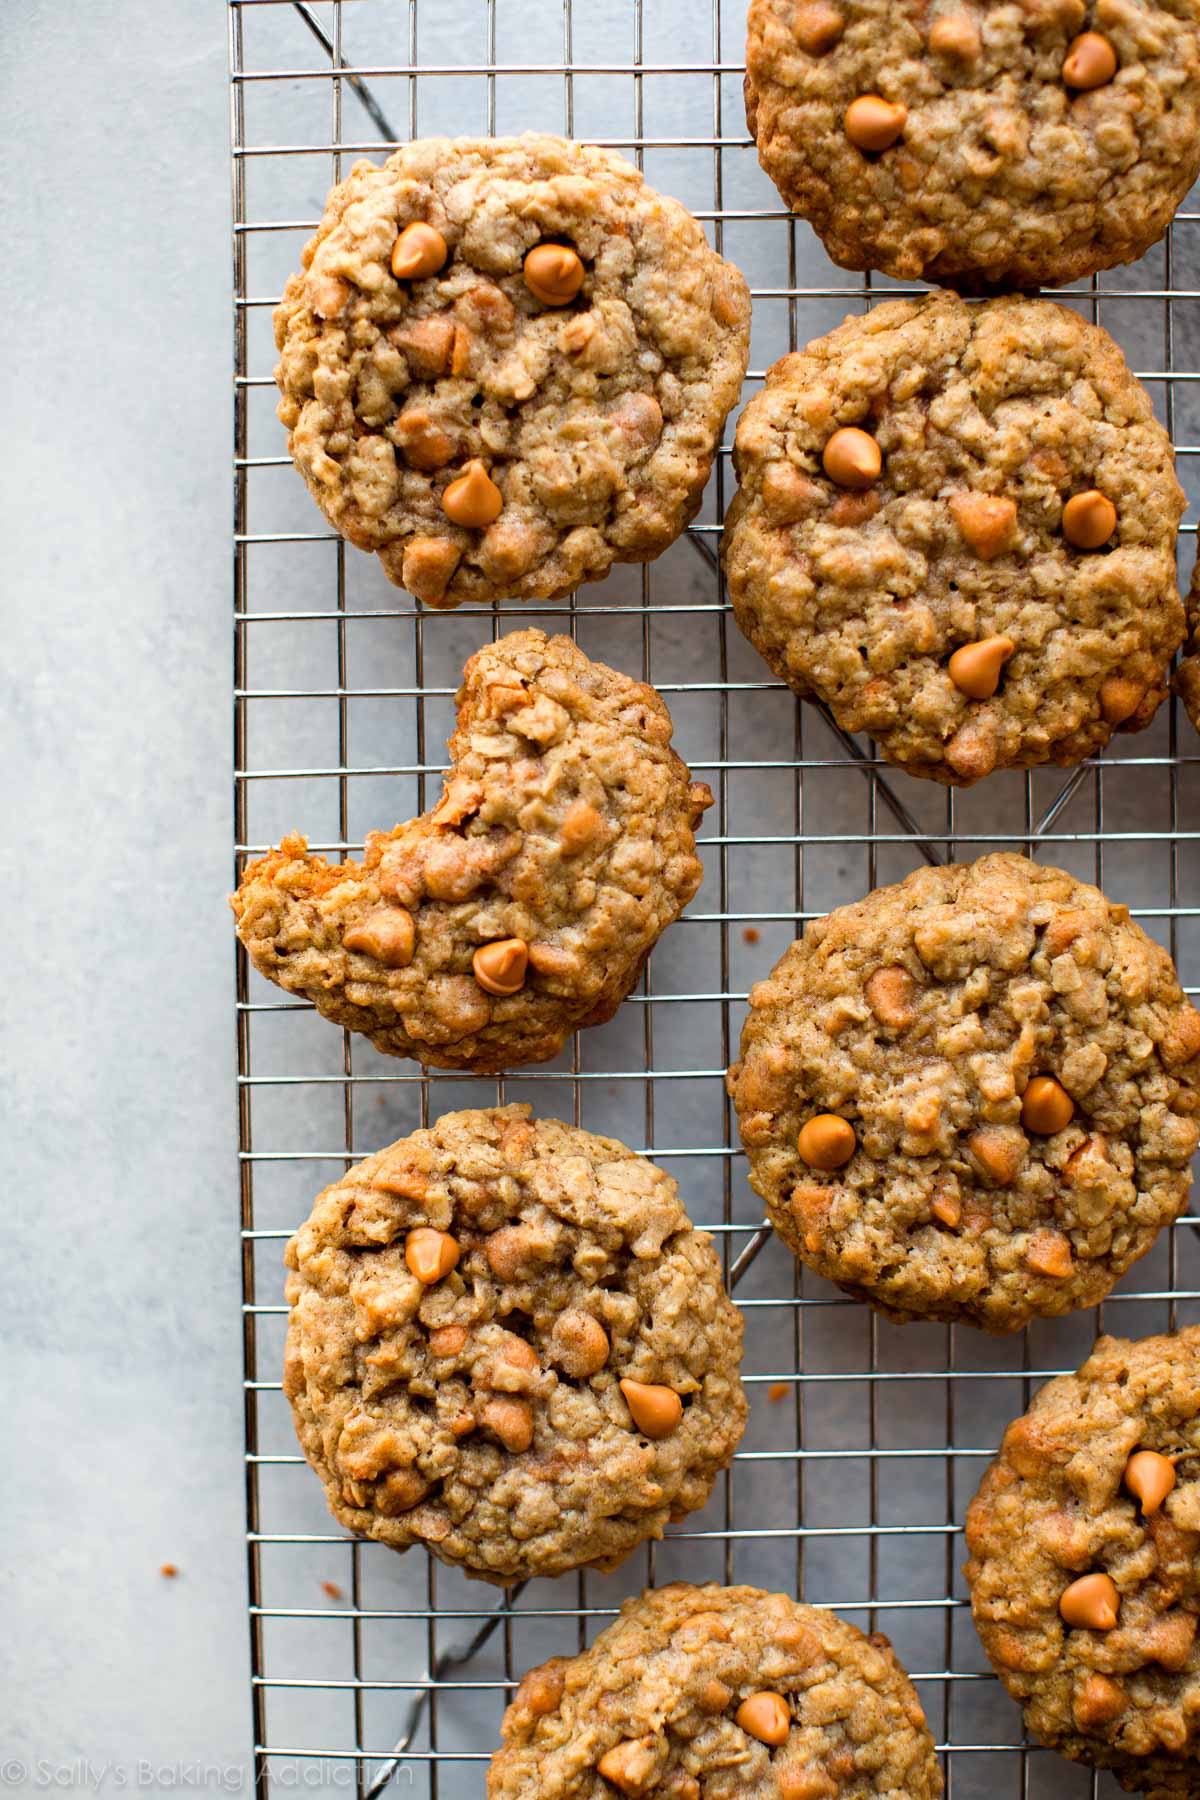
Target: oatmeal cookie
{"x": 728, "y": 1692}
{"x": 506, "y": 365}
{"x": 1187, "y": 677}
{"x": 956, "y": 525}
{"x": 1024, "y": 143}
{"x": 507, "y": 1343}
{"x": 1085, "y": 1563}
{"x": 973, "y": 1095}
{"x": 525, "y": 903}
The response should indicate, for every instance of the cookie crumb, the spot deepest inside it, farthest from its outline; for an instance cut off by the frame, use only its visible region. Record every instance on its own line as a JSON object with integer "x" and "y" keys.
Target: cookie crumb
{"x": 170, "y": 1570}
{"x": 750, "y": 934}
{"x": 778, "y": 1390}
{"x": 332, "y": 1589}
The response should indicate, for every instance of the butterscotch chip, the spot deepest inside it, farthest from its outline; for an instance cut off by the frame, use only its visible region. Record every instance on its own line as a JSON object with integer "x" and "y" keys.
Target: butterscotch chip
{"x": 463, "y": 1356}
{"x": 1150, "y": 1477}
{"x": 975, "y": 668}
{"x": 826, "y": 1141}
{"x": 640, "y": 1712}
{"x": 852, "y": 458}
{"x": 955, "y": 35}
{"x": 553, "y": 274}
{"x": 1049, "y": 1253}
{"x": 922, "y": 622}
{"x": 1105, "y": 1596}
{"x": 387, "y": 934}
{"x": 818, "y": 24}
{"x": 472, "y": 499}
{"x": 873, "y": 123}
{"x": 419, "y": 251}
{"x": 655, "y": 1410}
{"x": 500, "y": 967}
{"x": 1046, "y": 1106}
{"x": 565, "y": 835}
{"x": 431, "y": 1254}
{"x": 552, "y": 318}
{"x": 766, "y": 1717}
{"x": 976, "y": 1190}
{"x": 988, "y": 522}
{"x": 1031, "y": 151}
{"x": 429, "y": 563}
{"x": 1091, "y": 61}
{"x": 1089, "y": 520}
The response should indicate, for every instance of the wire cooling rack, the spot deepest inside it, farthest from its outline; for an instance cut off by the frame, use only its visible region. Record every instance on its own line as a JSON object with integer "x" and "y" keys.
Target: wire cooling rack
{"x": 373, "y": 1672}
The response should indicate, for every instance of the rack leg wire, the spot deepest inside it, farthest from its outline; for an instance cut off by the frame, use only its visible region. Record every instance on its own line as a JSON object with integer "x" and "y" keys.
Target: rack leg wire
{"x": 289, "y": 47}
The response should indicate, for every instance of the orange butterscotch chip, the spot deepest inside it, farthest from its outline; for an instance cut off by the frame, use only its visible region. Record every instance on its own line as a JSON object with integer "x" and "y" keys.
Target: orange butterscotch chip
{"x": 656, "y": 1410}
{"x": 955, "y": 35}
{"x": 553, "y": 274}
{"x": 579, "y": 1344}
{"x": 817, "y": 25}
{"x": 511, "y": 1421}
{"x": 581, "y": 825}
{"x": 1120, "y": 696}
{"x": 1090, "y": 1604}
{"x": 947, "y": 1208}
{"x": 1090, "y": 62}
{"x": 1049, "y": 1253}
{"x": 852, "y": 458}
{"x": 988, "y": 522}
{"x": 448, "y": 1340}
{"x": 541, "y": 1691}
{"x": 765, "y": 1717}
{"x": 1149, "y": 1477}
{"x": 418, "y": 252}
{"x": 500, "y": 967}
{"x": 804, "y": 1784}
{"x": 1098, "y": 1701}
{"x": 388, "y": 934}
{"x": 1046, "y": 1106}
{"x": 889, "y": 993}
{"x": 631, "y": 1766}
{"x": 473, "y": 499}
{"x": 430, "y": 1254}
{"x": 873, "y": 123}
{"x": 826, "y": 1141}
{"x": 975, "y": 668}
{"x": 428, "y": 565}
{"x": 1089, "y": 519}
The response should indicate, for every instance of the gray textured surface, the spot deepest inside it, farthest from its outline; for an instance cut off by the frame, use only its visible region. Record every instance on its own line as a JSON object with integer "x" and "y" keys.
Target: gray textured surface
{"x": 119, "y": 1329}
{"x": 120, "y": 1332}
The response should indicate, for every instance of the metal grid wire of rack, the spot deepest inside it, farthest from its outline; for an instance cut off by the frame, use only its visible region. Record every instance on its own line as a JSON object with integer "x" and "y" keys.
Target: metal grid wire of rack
{"x": 866, "y": 1440}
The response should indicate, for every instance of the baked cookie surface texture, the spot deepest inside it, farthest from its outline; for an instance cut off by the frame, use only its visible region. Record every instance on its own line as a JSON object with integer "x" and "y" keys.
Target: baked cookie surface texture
{"x": 506, "y": 365}
{"x": 524, "y": 904}
{"x": 1187, "y": 677}
{"x": 506, "y": 1342}
{"x": 973, "y": 1095}
{"x": 1018, "y": 143}
{"x": 1084, "y": 1566}
{"x": 956, "y": 526}
{"x": 724, "y": 1693}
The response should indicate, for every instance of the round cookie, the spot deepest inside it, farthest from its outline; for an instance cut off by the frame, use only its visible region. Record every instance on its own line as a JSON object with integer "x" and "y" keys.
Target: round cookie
{"x": 1085, "y": 1563}
{"x": 956, "y": 525}
{"x": 1018, "y": 144}
{"x": 506, "y": 365}
{"x": 1187, "y": 676}
{"x": 725, "y": 1692}
{"x": 973, "y": 1095}
{"x": 524, "y": 904}
{"x": 507, "y": 1343}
